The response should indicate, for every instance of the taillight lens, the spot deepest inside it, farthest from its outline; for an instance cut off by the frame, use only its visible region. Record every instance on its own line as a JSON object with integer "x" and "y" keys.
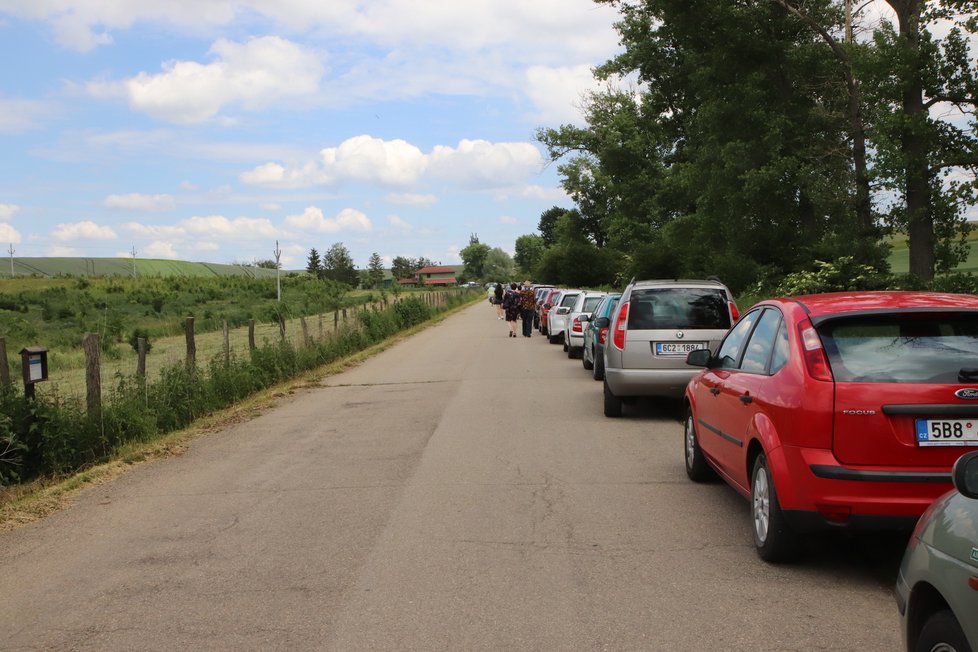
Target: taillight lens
{"x": 816, "y": 361}
{"x": 577, "y": 327}
{"x": 618, "y": 337}
{"x": 602, "y": 335}
{"x": 734, "y": 313}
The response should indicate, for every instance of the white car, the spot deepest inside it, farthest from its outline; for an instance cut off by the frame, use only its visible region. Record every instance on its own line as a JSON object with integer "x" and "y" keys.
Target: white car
{"x": 574, "y": 335}
{"x": 557, "y": 318}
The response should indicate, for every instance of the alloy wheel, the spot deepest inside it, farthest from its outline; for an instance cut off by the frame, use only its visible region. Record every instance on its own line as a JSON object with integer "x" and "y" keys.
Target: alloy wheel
{"x": 761, "y": 501}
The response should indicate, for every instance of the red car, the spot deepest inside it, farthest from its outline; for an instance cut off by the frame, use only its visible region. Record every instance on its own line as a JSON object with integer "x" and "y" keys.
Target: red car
{"x": 844, "y": 409}
{"x": 543, "y": 310}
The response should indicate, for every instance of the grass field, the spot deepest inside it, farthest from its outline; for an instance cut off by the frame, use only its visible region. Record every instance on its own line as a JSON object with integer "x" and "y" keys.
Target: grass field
{"x": 53, "y": 267}
{"x": 900, "y": 255}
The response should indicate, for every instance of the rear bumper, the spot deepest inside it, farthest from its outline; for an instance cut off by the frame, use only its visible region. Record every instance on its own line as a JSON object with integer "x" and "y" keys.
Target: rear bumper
{"x": 816, "y": 491}
{"x": 648, "y": 382}
{"x": 575, "y": 340}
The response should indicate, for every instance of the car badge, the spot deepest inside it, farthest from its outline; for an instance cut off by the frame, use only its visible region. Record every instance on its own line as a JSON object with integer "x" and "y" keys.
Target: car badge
{"x": 968, "y": 393}
{"x": 680, "y": 335}
{"x": 974, "y": 554}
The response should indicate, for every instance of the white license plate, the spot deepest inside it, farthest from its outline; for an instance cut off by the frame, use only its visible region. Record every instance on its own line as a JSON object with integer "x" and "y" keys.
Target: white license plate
{"x": 677, "y": 348}
{"x": 947, "y": 432}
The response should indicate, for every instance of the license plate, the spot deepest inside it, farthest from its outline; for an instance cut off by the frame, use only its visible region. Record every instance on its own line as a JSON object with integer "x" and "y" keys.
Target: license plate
{"x": 677, "y": 348}
{"x": 947, "y": 432}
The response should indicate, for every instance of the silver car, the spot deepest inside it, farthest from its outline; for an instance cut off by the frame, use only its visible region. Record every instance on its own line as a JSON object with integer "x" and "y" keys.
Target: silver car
{"x": 655, "y": 325}
{"x": 937, "y": 588}
{"x": 557, "y": 318}
{"x": 586, "y": 302}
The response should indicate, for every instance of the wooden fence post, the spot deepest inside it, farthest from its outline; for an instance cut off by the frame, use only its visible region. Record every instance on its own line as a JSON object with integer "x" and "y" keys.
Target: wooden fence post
{"x": 336, "y": 320}
{"x": 321, "y": 335}
{"x": 141, "y": 360}
{"x": 4, "y": 365}
{"x": 93, "y": 377}
{"x": 227, "y": 345}
{"x": 251, "y": 334}
{"x": 305, "y": 330}
{"x": 191, "y": 343}
{"x": 281, "y": 326}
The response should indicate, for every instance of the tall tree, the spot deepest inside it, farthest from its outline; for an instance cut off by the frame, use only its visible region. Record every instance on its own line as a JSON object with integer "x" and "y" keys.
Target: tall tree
{"x": 314, "y": 265}
{"x": 338, "y": 265}
{"x": 498, "y": 266}
{"x": 402, "y": 267}
{"x": 375, "y": 271}
{"x": 529, "y": 252}
{"x": 474, "y": 258}
{"x": 917, "y": 80}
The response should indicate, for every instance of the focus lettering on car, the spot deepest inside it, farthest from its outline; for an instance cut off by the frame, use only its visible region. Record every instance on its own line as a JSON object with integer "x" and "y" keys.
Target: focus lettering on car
{"x": 967, "y": 393}
{"x": 861, "y": 413}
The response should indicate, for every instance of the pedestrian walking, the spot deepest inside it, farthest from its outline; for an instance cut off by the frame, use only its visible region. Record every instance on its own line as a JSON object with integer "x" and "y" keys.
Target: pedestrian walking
{"x": 511, "y": 306}
{"x": 528, "y": 305}
{"x": 498, "y": 296}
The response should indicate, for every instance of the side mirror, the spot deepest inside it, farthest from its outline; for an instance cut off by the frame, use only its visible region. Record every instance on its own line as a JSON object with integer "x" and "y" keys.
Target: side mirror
{"x": 584, "y": 318}
{"x": 964, "y": 474}
{"x": 699, "y": 358}
{"x": 602, "y": 322}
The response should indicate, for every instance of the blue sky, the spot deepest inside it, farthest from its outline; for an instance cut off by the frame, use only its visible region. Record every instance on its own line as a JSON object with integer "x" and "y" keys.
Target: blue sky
{"x": 206, "y": 130}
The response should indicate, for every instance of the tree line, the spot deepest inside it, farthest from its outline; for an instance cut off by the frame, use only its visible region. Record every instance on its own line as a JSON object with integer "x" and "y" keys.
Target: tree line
{"x": 752, "y": 138}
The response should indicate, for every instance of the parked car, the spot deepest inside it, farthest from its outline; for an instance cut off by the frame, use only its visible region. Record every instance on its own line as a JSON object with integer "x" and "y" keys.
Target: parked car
{"x": 655, "y": 324}
{"x": 544, "y": 310}
{"x": 585, "y": 304}
{"x": 937, "y": 587}
{"x": 541, "y": 292}
{"x": 836, "y": 410}
{"x": 557, "y": 317}
{"x": 595, "y": 334}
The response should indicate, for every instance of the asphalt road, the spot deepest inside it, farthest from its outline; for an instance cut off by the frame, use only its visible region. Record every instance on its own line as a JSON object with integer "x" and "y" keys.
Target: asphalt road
{"x": 460, "y": 491}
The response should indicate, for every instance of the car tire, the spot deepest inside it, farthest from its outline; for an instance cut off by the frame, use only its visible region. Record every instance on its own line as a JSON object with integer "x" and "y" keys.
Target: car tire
{"x": 553, "y": 339}
{"x": 941, "y": 631}
{"x": 598, "y": 372}
{"x": 697, "y": 468}
{"x": 588, "y": 363}
{"x": 612, "y": 404}
{"x": 773, "y": 539}
{"x": 566, "y": 348}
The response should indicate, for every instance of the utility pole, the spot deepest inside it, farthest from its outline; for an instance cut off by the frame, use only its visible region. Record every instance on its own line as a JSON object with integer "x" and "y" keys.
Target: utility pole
{"x": 10, "y": 250}
{"x": 133, "y": 261}
{"x": 278, "y": 271}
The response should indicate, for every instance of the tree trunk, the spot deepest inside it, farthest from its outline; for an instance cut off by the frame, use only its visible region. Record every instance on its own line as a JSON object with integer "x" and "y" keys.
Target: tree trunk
{"x": 920, "y": 220}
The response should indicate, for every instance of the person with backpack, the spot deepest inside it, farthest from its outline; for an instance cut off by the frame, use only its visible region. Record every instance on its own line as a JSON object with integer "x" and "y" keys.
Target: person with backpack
{"x": 512, "y": 307}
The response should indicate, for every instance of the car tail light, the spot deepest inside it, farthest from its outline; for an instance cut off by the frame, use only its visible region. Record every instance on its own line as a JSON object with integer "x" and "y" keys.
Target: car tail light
{"x": 815, "y": 359}
{"x": 602, "y": 335}
{"x": 734, "y": 313}
{"x": 618, "y": 337}
{"x": 577, "y": 327}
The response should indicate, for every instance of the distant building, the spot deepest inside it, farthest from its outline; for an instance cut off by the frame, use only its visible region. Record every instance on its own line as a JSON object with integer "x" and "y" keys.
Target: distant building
{"x": 437, "y": 276}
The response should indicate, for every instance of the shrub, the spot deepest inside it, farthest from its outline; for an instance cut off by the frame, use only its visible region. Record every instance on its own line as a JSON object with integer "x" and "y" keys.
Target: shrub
{"x": 842, "y": 274}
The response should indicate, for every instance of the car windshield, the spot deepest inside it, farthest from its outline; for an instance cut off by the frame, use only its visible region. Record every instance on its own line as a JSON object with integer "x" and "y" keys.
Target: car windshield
{"x": 903, "y": 348}
{"x": 676, "y": 307}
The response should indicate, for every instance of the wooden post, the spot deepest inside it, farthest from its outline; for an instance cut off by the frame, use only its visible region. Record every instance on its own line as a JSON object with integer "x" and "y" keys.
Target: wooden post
{"x": 191, "y": 343}
{"x": 344, "y": 315}
{"x": 141, "y": 352}
{"x": 336, "y": 320}
{"x": 251, "y": 334}
{"x": 321, "y": 335}
{"x": 305, "y": 330}
{"x": 227, "y": 345}
{"x": 281, "y": 325}
{"x": 93, "y": 376}
{"x": 4, "y": 365}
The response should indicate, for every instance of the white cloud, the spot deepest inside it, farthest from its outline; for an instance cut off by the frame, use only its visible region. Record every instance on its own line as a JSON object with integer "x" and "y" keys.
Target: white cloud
{"x": 239, "y": 228}
{"x": 399, "y": 223}
{"x": 139, "y": 202}
{"x": 312, "y": 219}
{"x": 152, "y": 230}
{"x": 19, "y": 115}
{"x": 472, "y": 164}
{"x": 411, "y": 199}
{"x": 7, "y": 212}
{"x": 61, "y": 251}
{"x": 254, "y": 75}
{"x": 506, "y": 219}
{"x": 86, "y": 230}
{"x": 557, "y": 93}
{"x": 159, "y": 249}
{"x": 9, "y": 234}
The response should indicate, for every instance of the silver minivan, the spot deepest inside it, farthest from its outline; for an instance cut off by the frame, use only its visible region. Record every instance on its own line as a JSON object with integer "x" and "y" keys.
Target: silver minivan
{"x": 656, "y": 324}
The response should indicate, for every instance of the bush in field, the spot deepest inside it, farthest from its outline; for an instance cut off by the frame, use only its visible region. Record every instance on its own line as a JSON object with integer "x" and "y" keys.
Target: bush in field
{"x": 411, "y": 311}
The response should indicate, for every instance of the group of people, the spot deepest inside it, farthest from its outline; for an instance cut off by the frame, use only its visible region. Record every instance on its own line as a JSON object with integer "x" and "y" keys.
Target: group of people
{"x": 515, "y": 302}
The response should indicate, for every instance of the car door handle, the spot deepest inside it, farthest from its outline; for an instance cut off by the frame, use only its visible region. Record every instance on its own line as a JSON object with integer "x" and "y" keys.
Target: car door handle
{"x": 746, "y": 398}
{"x": 715, "y": 391}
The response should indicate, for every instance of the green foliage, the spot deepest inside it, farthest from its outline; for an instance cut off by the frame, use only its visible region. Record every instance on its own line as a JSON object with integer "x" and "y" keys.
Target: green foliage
{"x": 338, "y": 265}
{"x": 134, "y": 339}
{"x": 474, "y": 258}
{"x": 842, "y": 274}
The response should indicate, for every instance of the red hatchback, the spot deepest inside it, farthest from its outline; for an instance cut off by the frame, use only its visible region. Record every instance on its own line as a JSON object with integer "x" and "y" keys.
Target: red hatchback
{"x": 843, "y": 409}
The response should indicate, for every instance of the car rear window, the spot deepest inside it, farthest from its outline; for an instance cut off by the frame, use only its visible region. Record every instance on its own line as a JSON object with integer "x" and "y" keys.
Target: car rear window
{"x": 590, "y": 303}
{"x": 568, "y": 300}
{"x": 688, "y": 308}
{"x": 903, "y": 348}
